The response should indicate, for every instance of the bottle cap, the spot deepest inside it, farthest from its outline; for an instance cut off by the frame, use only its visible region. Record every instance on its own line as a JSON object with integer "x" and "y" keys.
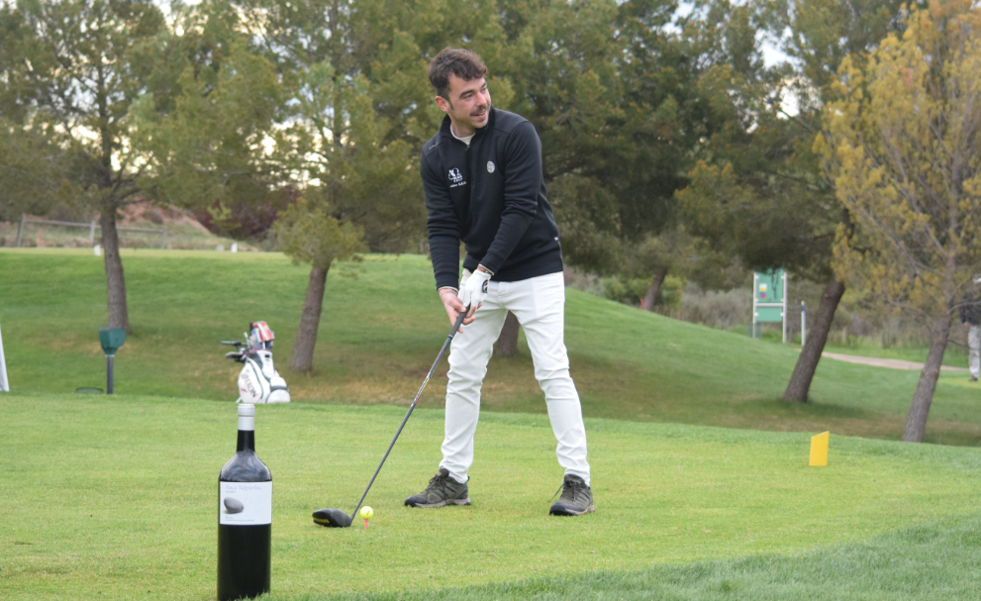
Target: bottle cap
{"x": 246, "y": 417}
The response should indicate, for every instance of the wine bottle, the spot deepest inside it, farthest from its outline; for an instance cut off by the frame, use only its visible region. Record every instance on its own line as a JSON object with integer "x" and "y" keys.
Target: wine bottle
{"x": 244, "y": 517}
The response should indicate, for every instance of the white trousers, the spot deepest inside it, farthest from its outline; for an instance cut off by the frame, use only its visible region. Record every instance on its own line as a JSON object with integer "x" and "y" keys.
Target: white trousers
{"x": 539, "y": 305}
{"x": 974, "y": 346}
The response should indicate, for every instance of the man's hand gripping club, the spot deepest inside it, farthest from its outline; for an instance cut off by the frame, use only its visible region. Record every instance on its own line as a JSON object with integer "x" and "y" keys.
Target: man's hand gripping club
{"x": 473, "y": 291}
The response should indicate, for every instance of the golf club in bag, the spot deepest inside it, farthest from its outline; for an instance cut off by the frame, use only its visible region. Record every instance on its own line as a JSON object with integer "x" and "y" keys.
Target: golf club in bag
{"x": 258, "y": 382}
{"x": 335, "y": 518}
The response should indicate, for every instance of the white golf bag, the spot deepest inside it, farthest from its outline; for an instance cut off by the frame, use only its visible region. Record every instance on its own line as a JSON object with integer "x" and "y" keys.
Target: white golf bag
{"x": 258, "y": 382}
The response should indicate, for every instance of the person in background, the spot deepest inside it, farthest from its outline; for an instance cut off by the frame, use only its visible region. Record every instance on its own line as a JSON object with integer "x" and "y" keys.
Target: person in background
{"x": 971, "y": 318}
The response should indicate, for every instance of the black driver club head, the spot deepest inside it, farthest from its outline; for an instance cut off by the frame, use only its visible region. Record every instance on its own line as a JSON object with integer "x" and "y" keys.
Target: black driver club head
{"x": 331, "y": 518}
{"x": 335, "y": 518}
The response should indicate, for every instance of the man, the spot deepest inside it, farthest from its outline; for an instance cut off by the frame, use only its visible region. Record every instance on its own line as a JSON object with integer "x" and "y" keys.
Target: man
{"x": 482, "y": 175}
{"x": 971, "y": 318}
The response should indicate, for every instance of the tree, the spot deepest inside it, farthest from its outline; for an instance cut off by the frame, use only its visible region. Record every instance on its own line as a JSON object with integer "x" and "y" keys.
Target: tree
{"x": 903, "y": 147}
{"x": 362, "y": 108}
{"x": 212, "y": 130}
{"x": 307, "y": 235}
{"x": 507, "y": 341}
{"x": 70, "y": 74}
{"x": 677, "y": 252}
{"x": 347, "y": 143}
{"x": 758, "y": 191}
{"x": 32, "y": 173}
{"x": 613, "y": 96}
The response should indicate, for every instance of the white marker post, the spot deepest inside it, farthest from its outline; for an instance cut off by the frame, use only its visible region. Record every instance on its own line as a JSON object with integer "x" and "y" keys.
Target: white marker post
{"x": 4, "y": 385}
{"x": 803, "y": 323}
{"x": 784, "y": 313}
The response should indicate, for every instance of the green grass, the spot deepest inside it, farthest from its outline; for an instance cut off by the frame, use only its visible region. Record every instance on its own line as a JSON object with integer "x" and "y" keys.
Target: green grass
{"x": 382, "y": 325}
{"x": 922, "y": 562}
{"x": 115, "y": 498}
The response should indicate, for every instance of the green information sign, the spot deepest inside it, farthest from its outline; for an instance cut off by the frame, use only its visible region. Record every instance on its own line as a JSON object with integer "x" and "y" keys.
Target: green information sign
{"x": 770, "y": 299}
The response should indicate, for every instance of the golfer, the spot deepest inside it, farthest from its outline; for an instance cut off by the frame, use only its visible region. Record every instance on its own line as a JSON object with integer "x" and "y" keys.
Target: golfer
{"x": 482, "y": 175}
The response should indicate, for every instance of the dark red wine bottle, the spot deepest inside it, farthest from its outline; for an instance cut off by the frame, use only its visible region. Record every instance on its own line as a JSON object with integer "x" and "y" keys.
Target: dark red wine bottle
{"x": 244, "y": 517}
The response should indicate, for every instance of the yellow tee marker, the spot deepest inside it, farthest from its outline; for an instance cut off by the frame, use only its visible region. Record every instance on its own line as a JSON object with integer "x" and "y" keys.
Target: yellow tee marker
{"x": 819, "y": 450}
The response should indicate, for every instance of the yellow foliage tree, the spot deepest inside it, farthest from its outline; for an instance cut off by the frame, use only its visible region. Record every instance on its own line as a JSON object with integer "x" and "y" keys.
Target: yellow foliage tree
{"x": 903, "y": 149}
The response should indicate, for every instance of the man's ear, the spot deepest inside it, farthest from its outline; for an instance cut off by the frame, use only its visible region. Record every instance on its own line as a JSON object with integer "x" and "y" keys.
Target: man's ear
{"x": 443, "y": 104}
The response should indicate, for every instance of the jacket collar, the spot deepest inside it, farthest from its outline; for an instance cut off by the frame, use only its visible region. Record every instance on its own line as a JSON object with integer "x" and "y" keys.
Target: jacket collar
{"x": 444, "y": 128}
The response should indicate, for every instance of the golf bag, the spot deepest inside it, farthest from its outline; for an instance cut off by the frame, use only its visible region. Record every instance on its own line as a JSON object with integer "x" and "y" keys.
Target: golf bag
{"x": 258, "y": 382}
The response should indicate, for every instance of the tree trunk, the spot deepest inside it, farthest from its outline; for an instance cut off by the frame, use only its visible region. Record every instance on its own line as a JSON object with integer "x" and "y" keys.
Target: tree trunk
{"x": 115, "y": 281}
{"x": 306, "y": 336}
{"x": 920, "y": 409}
{"x": 507, "y": 342}
{"x": 651, "y": 295}
{"x": 817, "y": 336}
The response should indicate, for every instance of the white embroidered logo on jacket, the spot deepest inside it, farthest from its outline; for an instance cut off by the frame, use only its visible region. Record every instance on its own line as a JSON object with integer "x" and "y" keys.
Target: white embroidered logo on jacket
{"x": 490, "y": 167}
{"x": 456, "y": 178}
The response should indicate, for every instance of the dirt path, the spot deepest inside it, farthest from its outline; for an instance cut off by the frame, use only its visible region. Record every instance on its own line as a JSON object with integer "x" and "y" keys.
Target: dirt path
{"x": 890, "y": 363}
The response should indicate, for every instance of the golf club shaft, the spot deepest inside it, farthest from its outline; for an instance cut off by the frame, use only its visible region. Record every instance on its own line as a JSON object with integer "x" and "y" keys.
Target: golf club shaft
{"x": 456, "y": 328}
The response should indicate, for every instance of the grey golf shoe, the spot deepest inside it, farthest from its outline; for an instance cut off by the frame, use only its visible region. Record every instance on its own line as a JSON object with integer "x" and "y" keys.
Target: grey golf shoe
{"x": 576, "y": 499}
{"x": 442, "y": 490}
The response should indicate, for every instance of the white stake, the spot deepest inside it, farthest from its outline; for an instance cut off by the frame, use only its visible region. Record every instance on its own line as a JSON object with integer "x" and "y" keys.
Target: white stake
{"x": 803, "y": 323}
{"x": 4, "y": 385}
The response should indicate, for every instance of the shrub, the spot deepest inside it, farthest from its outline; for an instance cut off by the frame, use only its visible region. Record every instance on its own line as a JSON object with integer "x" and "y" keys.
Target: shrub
{"x": 627, "y": 291}
{"x": 715, "y": 309}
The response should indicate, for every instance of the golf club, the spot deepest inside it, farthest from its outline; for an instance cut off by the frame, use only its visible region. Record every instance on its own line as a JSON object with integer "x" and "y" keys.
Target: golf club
{"x": 335, "y": 518}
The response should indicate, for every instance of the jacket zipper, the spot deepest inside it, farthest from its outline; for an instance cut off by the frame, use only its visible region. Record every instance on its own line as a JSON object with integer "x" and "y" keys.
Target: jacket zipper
{"x": 469, "y": 158}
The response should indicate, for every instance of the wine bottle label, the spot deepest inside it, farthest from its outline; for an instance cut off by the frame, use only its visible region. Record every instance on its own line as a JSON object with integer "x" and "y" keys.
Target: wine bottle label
{"x": 244, "y": 503}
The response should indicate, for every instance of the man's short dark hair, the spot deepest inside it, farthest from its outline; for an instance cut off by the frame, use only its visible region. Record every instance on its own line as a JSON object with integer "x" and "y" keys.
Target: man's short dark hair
{"x": 465, "y": 64}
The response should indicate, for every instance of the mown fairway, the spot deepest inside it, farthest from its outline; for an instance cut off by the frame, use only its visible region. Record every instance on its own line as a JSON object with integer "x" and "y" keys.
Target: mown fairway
{"x": 382, "y": 326}
{"x": 116, "y": 498}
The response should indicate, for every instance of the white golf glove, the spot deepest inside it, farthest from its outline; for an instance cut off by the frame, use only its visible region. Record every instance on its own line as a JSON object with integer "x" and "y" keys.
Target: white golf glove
{"x": 473, "y": 288}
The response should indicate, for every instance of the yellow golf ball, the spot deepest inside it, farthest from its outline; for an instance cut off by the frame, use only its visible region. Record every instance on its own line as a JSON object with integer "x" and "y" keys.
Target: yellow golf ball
{"x": 367, "y": 512}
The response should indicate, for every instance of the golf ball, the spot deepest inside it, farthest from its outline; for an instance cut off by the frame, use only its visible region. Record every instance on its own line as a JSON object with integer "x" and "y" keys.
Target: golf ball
{"x": 367, "y": 512}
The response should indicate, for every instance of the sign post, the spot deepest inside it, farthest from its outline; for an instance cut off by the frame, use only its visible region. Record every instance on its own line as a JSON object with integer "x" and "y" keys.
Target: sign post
{"x": 770, "y": 299}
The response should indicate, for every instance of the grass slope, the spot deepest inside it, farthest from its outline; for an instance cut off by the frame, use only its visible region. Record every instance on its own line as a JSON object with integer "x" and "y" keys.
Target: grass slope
{"x": 382, "y": 326}
{"x": 116, "y": 498}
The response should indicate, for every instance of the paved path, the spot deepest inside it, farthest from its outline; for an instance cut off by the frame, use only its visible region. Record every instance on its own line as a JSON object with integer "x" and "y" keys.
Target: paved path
{"x": 891, "y": 363}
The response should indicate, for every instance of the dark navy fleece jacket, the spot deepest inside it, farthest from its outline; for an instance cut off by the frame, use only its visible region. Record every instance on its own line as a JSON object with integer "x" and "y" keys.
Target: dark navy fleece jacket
{"x": 492, "y": 197}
